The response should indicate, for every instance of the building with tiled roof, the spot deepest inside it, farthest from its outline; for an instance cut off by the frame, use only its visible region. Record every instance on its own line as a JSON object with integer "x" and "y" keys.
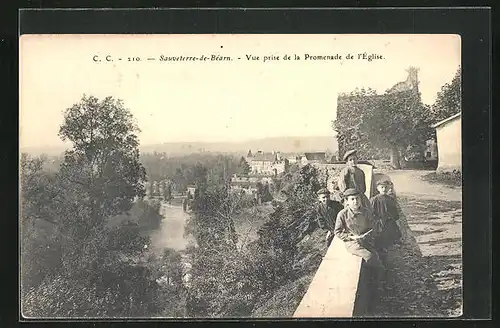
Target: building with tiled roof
{"x": 313, "y": 158}
{"x": 266, "y": 163}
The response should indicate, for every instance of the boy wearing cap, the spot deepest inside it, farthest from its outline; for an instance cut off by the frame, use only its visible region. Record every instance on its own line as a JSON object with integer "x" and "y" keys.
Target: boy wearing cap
{"x": 327, "y": 211}
{"x": 385, "y": 210}
{"x": 355, "y": 225}
{"x": 352, "y": 177}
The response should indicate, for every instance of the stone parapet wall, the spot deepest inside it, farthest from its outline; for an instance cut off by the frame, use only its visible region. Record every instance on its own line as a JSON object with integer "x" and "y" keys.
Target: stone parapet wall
{"x": 334, "y": 290}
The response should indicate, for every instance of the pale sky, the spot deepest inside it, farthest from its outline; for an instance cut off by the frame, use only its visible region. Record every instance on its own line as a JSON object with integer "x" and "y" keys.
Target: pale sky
{"x": 219, "y": 101}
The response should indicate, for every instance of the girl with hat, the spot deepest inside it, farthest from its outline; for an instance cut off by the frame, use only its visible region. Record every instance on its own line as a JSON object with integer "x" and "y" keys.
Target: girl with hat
{"x": 385, "y": 211}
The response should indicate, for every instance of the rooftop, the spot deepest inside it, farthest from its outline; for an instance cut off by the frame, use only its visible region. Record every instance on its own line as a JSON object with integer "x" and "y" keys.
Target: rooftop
{"x": 267, "y": 157}
{"x": 446, "y": 120}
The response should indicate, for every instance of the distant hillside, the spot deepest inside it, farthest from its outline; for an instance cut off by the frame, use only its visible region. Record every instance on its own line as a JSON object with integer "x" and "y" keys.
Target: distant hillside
{"x": 282, "y": 144}
{"x": 47, "y": 150}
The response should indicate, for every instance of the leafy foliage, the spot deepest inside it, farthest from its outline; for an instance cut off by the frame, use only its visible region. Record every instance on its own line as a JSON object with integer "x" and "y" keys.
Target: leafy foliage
{"x": 398, "y": 121}
{"x": 286, "y": 227}
{"x": 143, "y": 214}
{"x": 121, "y": 292}
{"x": 103, "y": 165}
{"x": 222, "y": 284}
{"x": 181, "y": 170}
{"x": 449, "y": 99}
{"x": 264, "y": 191}
{"x": 351, "y": 112}
{"x": 213, "y": 207}
{"x": 243, "y": 166}
{"x": 86, "y": 268}
{"x": 41, "y": 240}
{"x": 376, "y": 124}
{"x": 392, "y": 123}
{"x": 229, "y": 280}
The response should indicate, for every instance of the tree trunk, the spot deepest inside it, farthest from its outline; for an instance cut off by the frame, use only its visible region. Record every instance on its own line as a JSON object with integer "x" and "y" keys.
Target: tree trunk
{"x": 395, "y": 158}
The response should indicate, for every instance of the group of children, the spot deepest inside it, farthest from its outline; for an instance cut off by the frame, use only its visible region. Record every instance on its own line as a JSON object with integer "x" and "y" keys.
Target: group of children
{"x": 368, "y": 227}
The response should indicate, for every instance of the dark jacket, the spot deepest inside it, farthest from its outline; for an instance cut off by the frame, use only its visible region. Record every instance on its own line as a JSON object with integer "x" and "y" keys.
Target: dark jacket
{"x": 327, "y": 214}
{"x": 384, "y": 207}
{"x": 385, "y": 210}
{"x": 352, "y": 178}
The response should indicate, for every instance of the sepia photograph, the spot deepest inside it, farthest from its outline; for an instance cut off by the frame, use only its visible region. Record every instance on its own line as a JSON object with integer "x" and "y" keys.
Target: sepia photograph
{"x": 185, "y": 176}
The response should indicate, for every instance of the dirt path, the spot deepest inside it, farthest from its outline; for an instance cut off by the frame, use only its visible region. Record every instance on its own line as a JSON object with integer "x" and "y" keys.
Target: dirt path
{"x": 430, "y": 283}
{"x": 410, "y": 184}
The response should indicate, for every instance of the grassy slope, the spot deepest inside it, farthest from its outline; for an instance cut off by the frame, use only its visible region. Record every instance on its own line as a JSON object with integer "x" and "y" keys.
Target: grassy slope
{"x": 284, "y": 302}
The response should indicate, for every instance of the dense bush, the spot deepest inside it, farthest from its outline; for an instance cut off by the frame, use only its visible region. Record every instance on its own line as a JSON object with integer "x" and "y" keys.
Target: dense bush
{"x": 123, "y": 291}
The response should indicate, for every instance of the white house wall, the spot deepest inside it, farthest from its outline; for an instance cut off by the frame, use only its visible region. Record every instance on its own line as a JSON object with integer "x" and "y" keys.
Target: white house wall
{"x": 449, "y": 140}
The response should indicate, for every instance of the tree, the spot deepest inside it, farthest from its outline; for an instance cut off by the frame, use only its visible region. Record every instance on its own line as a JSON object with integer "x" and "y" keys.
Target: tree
{"x": 167, "y": 190}
{"x": 103, "y": 165}
{"x": 151, "y": 191}
{"x": 286, "y": 227}
{"x": 100, "y": 178}
{"x": 93, "y": 274}
{"x": 172, "y": 267}
{"x": 41, "y": 240}
{"x": 38, "y": 188}
{"x": 243, "y": 166}
{"x": 180, "y": 180}
{"x": 375, "y": 124}
{"x": 266, "y": 192}
{"x": 398, "y": 121}
{"x": 449, "y": 99}
{"x": 351, "y": 111}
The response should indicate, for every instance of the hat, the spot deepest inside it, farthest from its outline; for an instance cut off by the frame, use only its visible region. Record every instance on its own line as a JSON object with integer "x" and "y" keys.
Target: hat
{"x": 350, "y": 192}
{"x": 349, "y": 153}
{"x": 323, "y": 191}
{"x": 384, "y": 181}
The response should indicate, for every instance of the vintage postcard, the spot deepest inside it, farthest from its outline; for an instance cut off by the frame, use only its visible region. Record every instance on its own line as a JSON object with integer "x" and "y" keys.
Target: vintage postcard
{"x": 240, "y": 176}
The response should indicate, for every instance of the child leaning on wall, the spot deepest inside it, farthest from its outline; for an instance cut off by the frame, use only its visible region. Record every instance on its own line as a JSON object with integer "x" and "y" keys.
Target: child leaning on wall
{"x": 355, "y": 226}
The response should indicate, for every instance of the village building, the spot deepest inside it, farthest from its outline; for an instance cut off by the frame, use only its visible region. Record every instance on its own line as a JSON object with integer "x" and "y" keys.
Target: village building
{"x": 292, "y": 159}
{"x": 266, "y": 163}
{"x": 449, "y": 143}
